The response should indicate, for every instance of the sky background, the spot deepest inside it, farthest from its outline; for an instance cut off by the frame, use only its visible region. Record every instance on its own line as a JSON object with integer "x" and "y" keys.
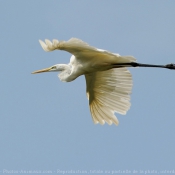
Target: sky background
{"x": 45, "y": 124}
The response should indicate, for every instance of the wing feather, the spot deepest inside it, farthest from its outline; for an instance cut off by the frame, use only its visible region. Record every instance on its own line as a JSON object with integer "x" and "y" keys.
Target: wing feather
{"x": 108, "y": 92}
{"x": 82, "y": 50}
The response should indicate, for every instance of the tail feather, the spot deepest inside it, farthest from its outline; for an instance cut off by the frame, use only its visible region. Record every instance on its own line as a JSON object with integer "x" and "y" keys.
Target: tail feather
{"x": 126, "y": 59}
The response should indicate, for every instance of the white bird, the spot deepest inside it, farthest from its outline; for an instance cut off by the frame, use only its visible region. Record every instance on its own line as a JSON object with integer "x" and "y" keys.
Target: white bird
{"x": 108, "y": 82}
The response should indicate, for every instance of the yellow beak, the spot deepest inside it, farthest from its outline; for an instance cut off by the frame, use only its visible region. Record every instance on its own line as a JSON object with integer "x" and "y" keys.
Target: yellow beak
{"x": 42, "y": 70}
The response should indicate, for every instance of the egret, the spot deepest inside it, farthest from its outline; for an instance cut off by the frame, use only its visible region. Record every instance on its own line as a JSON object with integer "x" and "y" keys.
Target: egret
{"x": 108, "y": 82}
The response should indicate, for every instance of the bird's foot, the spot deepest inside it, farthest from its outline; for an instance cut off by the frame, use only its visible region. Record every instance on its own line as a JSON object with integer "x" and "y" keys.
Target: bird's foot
{"x": 170, "y": 66}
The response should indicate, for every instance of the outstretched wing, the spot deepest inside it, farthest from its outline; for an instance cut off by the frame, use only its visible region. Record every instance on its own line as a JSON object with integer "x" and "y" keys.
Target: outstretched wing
{"x": 73, "y": 45}
{"x": 108, "y": 92}
{"x": 81, "y": 49}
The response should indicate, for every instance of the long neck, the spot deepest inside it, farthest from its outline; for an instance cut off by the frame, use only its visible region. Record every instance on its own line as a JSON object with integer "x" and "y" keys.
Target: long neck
{"x": 134, "y": 64}
{"x": 65, "y": 71}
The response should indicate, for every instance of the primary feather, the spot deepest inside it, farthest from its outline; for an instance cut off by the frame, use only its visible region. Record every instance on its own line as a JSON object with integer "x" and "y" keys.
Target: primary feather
{"x": 108, "y": 92}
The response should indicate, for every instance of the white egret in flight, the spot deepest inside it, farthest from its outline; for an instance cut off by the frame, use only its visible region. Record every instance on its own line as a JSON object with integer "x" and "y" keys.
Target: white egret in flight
{"x": 108, "y": 82}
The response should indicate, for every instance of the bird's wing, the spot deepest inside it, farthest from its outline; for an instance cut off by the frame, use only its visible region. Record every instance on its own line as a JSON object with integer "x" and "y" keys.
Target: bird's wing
{"x": 83, "y": 50}
{"x": 73, "y": 44}
{"x": 108, "y": 92}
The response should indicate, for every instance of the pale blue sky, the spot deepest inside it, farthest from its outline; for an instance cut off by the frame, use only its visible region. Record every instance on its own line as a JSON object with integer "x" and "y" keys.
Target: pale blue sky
{"x": 46, "y": 124}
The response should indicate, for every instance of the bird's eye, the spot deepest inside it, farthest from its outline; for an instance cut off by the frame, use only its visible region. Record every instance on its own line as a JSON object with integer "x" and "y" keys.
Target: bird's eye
{"x": 53, "y": 67}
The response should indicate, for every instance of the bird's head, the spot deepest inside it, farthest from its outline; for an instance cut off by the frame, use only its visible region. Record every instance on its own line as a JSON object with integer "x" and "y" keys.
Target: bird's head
{"x": 54, "y": 68}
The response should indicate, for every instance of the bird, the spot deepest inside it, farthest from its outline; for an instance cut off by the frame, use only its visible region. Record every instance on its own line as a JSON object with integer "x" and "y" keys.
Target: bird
{"x": 108, "y": 80}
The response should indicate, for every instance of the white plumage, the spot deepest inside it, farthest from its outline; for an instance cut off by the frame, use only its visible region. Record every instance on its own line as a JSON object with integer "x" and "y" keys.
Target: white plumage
{"x": 108, "y": 86}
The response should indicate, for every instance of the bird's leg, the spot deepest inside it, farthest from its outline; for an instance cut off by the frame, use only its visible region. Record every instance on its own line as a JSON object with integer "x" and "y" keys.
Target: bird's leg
{"x": 134, "y": 64}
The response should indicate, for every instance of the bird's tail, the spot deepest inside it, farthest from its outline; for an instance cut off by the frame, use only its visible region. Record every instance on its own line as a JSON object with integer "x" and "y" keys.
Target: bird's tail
{"x": 126, "y": 59}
